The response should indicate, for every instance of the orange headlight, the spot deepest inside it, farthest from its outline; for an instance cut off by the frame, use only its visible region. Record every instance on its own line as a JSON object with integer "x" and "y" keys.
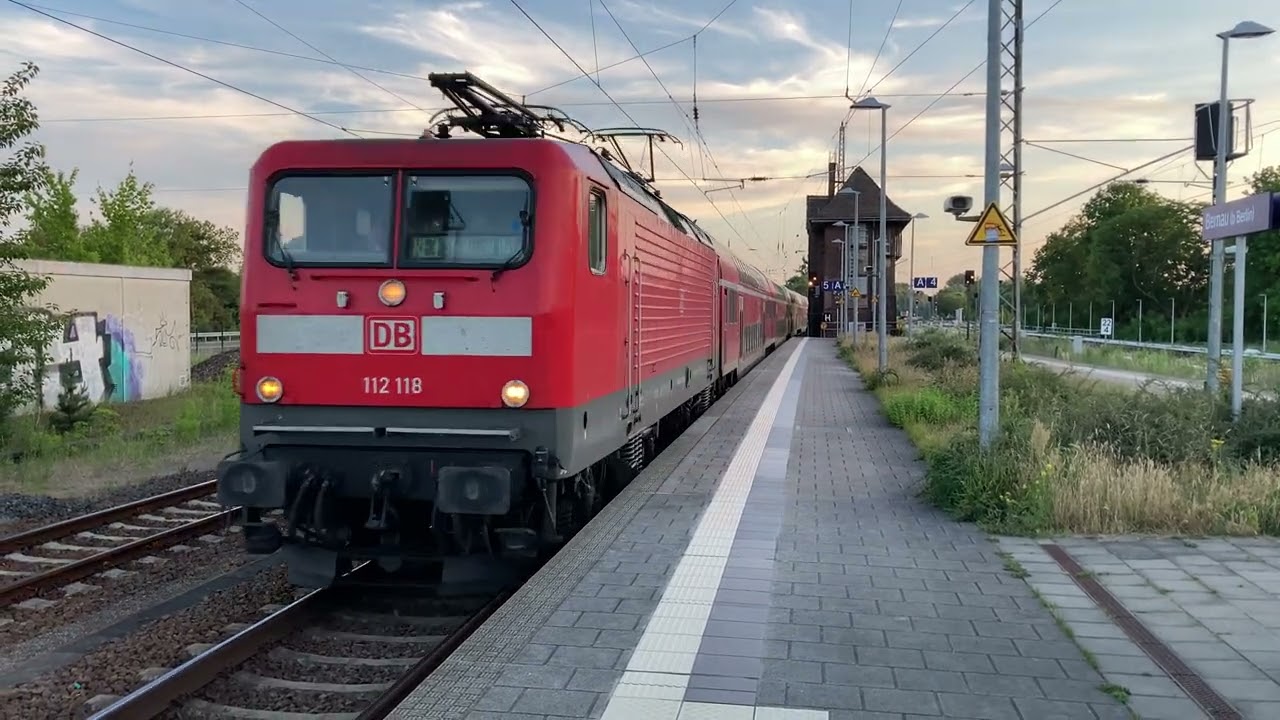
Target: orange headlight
{"x": 270, "y": 389}
{"x": 391, "y": 293}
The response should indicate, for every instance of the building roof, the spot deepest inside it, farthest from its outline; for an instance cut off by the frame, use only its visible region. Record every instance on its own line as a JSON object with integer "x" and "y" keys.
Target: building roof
{"x": 820, "y": 208}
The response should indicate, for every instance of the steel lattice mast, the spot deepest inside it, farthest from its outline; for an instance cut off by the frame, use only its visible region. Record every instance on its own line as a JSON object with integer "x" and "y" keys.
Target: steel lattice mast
{"x": 1011, "y": 160}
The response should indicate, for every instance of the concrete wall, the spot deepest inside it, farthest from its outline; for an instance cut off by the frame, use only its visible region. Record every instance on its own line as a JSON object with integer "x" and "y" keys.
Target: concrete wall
{"x": 127, "y": 333}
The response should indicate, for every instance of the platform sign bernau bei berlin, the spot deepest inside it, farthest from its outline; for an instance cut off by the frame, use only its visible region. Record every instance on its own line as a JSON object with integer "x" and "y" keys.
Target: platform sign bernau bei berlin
{"x": 1248, "y": 215}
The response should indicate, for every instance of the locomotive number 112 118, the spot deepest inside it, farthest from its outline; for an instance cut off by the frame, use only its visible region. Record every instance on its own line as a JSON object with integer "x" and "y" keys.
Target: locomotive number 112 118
{"x": 383, "y": 385}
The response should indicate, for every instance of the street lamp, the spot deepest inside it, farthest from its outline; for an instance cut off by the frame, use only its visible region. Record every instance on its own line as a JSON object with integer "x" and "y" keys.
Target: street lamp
{"x": 911, "y": 312}
{"x": 1244, "y": 30}
{"x": 842, "y": 312}
{"x": 855, "y": 254}
{"x": 870, "y": 103}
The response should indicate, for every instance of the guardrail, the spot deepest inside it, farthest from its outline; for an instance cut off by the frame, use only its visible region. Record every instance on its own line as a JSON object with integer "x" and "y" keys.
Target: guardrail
{"x": 212, "y": 343}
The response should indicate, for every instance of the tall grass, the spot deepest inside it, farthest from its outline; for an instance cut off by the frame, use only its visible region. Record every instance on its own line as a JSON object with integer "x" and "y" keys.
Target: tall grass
{"x": 1072, "y": 456}
{"x": 120, "y": 440}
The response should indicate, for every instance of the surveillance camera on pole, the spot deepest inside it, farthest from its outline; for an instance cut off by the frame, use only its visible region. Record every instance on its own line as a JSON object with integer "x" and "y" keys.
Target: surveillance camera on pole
{"x": 958, "y": 205}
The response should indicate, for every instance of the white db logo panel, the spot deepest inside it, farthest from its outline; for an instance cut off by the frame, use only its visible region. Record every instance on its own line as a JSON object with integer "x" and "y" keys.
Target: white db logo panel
{"x": 391, "y": 335}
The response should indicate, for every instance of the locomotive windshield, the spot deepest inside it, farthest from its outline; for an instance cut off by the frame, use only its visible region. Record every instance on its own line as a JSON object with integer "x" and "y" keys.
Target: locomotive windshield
{"x": 330, "y": 220}
{"x": 458, "y": 220}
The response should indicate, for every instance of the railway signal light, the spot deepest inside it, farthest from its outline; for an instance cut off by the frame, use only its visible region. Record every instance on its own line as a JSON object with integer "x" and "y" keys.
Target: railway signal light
{"x": 968, "y": 277}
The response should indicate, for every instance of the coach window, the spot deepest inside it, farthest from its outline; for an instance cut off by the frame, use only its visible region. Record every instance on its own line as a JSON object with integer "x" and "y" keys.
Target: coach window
{"x": 597, "y": 235}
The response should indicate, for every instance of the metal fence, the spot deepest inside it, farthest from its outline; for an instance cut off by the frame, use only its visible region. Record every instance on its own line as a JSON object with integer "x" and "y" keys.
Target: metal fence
{"x": 1062, "y": 334}
{"x": 205, "y": 345}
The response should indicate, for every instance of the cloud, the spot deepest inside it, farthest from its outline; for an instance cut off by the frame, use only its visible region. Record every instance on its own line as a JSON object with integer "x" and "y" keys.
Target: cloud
{"x": 664, "y": 18}
{"x": 1080, "y": 84}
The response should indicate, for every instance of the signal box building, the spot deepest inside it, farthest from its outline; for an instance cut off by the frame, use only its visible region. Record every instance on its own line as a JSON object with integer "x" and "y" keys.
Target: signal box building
{"x": 858, "y": 196}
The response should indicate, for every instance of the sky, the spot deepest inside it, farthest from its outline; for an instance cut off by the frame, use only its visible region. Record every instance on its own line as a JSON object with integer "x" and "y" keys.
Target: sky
{"x": 770, "y": 78}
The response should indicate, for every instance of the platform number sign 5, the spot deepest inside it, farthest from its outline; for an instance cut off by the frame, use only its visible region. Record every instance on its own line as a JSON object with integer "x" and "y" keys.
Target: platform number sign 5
{"x": 391, "y": 335}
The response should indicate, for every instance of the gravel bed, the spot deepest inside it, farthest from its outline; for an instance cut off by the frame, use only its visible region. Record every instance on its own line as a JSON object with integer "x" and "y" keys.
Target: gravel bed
{"x": 212, "y": 368}
{"x": 346, "y": 648}
{"x": 19, "y": 512}
{"x": 237, "y": 694}
{"x": 288, "y": 669}
{"x": 114, "y": 668}
{"x": 387, "y": 626}
{"x": 206, "y": 560}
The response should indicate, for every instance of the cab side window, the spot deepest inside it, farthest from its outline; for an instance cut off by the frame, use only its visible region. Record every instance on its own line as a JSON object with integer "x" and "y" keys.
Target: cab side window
{"x": 597, "y": 235}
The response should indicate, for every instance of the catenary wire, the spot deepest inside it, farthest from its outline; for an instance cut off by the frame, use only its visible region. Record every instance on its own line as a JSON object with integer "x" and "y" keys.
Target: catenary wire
{"x": 628, "y": 115}
{"x": 690, "y": 124}
{"x": 345, "y": 66}
{"x": 184, "y": 68}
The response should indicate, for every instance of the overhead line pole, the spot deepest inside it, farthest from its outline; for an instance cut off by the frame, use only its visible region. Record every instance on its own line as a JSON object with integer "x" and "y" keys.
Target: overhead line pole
{"x": 989, "y": 325}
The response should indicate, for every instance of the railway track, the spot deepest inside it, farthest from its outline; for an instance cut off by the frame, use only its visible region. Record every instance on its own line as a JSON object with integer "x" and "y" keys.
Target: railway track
{"x": 335, "y": 653}
{"x": 65, "y": 552}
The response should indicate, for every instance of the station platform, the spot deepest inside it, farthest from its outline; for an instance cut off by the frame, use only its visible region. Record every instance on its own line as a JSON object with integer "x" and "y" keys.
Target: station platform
{"x": 774, "y": 563}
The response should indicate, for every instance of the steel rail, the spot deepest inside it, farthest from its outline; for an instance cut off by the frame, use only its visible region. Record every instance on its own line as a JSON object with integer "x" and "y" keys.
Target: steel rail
{"x": 70, "y": 526}
{"x": 155, "y": 697}
{"x": 405, "y": 684}
{"x": 79, "y": 569}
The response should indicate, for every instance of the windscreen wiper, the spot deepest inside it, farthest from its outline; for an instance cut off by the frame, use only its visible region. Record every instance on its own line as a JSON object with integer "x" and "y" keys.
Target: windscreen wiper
{"x": 273, "y": 217}
{"x": 510, "y": 262}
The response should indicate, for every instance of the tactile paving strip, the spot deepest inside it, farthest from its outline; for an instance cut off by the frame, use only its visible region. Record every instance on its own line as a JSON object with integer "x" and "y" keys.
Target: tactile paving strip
{"x": 1189, "y": 680}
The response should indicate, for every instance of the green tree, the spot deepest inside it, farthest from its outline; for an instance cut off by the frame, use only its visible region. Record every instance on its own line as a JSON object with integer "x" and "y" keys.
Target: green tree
{"x": 73, "y": 408}
{"x": 53, "y": 224}
{"x": 194, "y": 244}
{"x": 137, "y": 232}
{"x": 800, "y": 281}
{"x": 24, "y": 330}
{"x": 951, "y": 299}
{"x": 1262, "y": 276}
{"x": 1129, "y": 246}
{"x": 209, "y": 252}
{"x": 126, "y": 234}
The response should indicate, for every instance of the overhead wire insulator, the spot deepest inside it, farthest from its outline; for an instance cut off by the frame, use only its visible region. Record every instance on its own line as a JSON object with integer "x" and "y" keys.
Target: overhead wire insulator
{"x": 696, "y": 114}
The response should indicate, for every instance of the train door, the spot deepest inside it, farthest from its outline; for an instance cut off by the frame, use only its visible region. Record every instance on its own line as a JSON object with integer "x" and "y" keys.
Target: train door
{"x": 634, "y": 292}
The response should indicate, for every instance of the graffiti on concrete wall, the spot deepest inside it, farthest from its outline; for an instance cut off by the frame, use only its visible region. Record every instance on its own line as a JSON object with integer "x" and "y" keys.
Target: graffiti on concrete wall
{"x": 100, "y": 355}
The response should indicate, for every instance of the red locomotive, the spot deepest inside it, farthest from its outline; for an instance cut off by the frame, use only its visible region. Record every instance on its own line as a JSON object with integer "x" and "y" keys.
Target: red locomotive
{"x": 457, "y": 350}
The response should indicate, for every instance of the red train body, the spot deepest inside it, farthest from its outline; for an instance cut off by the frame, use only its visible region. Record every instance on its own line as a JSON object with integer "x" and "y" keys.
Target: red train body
{"x": 469, "y": 345}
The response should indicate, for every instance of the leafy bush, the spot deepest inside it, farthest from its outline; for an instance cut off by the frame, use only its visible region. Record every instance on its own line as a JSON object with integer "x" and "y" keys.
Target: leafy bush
{"x": 936, "y": 350}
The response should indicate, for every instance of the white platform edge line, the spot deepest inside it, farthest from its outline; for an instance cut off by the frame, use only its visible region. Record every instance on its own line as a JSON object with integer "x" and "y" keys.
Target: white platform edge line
{"x": 655, "y": 682}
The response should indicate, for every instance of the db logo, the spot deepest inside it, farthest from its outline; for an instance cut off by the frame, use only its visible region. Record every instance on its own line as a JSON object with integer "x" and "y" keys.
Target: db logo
{"x": 391, "y": 335}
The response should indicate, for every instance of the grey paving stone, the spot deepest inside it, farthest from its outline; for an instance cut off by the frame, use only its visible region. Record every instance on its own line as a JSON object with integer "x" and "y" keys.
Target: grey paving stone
{"x": 1044, "y": 709}
{"x": 1162, "y": 708}
{"x": 931, "y": 680}
{"x": 571, "y": 703}
{"x": 1158, "y": 685}
{"x": 902, "y": 701}
{"x": 988, "y": 707}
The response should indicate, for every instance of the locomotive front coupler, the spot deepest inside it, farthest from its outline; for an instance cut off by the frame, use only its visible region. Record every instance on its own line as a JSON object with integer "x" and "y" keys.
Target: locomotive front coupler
{"x": 385, "y": 483}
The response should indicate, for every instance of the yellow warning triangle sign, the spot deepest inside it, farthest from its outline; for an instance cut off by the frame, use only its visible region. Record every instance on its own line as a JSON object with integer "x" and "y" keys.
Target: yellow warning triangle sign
{"x": 992, "y": 228}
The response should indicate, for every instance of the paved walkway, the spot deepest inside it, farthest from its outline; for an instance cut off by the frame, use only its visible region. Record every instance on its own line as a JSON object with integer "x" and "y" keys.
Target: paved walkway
{"x": 1215, "y": 602}
{"x": 784, "y": 569}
